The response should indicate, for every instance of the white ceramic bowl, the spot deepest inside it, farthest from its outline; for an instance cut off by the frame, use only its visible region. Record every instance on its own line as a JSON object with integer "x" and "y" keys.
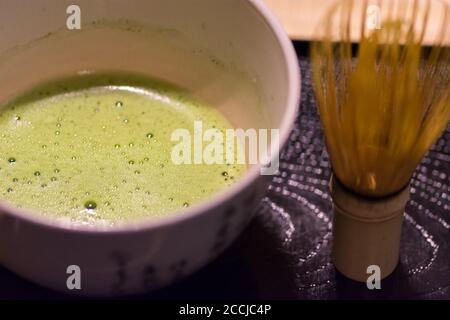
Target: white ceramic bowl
{"x": 230, "y": 53}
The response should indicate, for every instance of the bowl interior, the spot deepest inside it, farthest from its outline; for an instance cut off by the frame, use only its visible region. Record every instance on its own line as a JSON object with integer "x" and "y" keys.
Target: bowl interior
{"x": 227, "y": 53}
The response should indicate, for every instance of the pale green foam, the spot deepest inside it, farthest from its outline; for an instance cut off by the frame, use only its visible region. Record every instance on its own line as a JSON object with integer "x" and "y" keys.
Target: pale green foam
{"x": 97, "y": 149}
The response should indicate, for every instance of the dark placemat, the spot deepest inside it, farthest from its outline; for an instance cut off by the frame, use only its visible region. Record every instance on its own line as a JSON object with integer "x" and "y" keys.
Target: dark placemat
{"x": 284, "y": 253}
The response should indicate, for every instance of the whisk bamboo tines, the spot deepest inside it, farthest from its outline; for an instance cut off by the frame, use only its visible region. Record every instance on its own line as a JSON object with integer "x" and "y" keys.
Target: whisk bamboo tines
{"x": 382, "y": 103}
{"x": 382, "y": 110}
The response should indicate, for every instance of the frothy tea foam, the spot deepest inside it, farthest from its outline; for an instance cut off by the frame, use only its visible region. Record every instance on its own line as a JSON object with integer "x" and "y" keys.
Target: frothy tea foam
{"x": 94, "y": 150}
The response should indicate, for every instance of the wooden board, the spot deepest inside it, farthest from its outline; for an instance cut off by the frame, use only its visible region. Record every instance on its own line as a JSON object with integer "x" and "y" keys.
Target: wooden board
{"x": 300, "y": 18}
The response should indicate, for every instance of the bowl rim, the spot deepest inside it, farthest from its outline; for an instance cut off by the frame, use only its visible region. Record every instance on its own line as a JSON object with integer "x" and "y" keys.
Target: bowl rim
{"x": 178, "y": 216}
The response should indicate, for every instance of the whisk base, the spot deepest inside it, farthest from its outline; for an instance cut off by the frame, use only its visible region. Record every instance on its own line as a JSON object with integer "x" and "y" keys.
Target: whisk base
{"x": 366, "y": 232}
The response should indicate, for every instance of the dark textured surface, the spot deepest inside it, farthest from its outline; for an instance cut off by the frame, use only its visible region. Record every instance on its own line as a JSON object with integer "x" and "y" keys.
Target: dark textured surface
{"x": 284, "y": 253}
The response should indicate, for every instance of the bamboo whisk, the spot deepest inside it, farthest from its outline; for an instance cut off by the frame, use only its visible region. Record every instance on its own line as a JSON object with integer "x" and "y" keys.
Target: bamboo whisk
{"x": 382, "y": 103}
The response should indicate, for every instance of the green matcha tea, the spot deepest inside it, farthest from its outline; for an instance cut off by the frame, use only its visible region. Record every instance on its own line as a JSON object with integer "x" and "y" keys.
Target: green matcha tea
{"x": 97, "y": 150}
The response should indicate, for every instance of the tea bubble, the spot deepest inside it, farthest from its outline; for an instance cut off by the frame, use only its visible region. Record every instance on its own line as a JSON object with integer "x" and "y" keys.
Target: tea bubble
{"x": 90, "y": 205}
{"x": 12, "y": 160}
{"x": 119, "y": 104}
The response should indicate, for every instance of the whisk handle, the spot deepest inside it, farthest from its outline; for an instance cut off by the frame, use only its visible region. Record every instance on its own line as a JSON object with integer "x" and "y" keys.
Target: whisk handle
{"x": 366, "y": 231}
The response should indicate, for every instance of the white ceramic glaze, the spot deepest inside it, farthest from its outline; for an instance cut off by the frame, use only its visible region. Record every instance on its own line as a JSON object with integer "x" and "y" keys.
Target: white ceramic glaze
{"x": 230, "y": 53}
